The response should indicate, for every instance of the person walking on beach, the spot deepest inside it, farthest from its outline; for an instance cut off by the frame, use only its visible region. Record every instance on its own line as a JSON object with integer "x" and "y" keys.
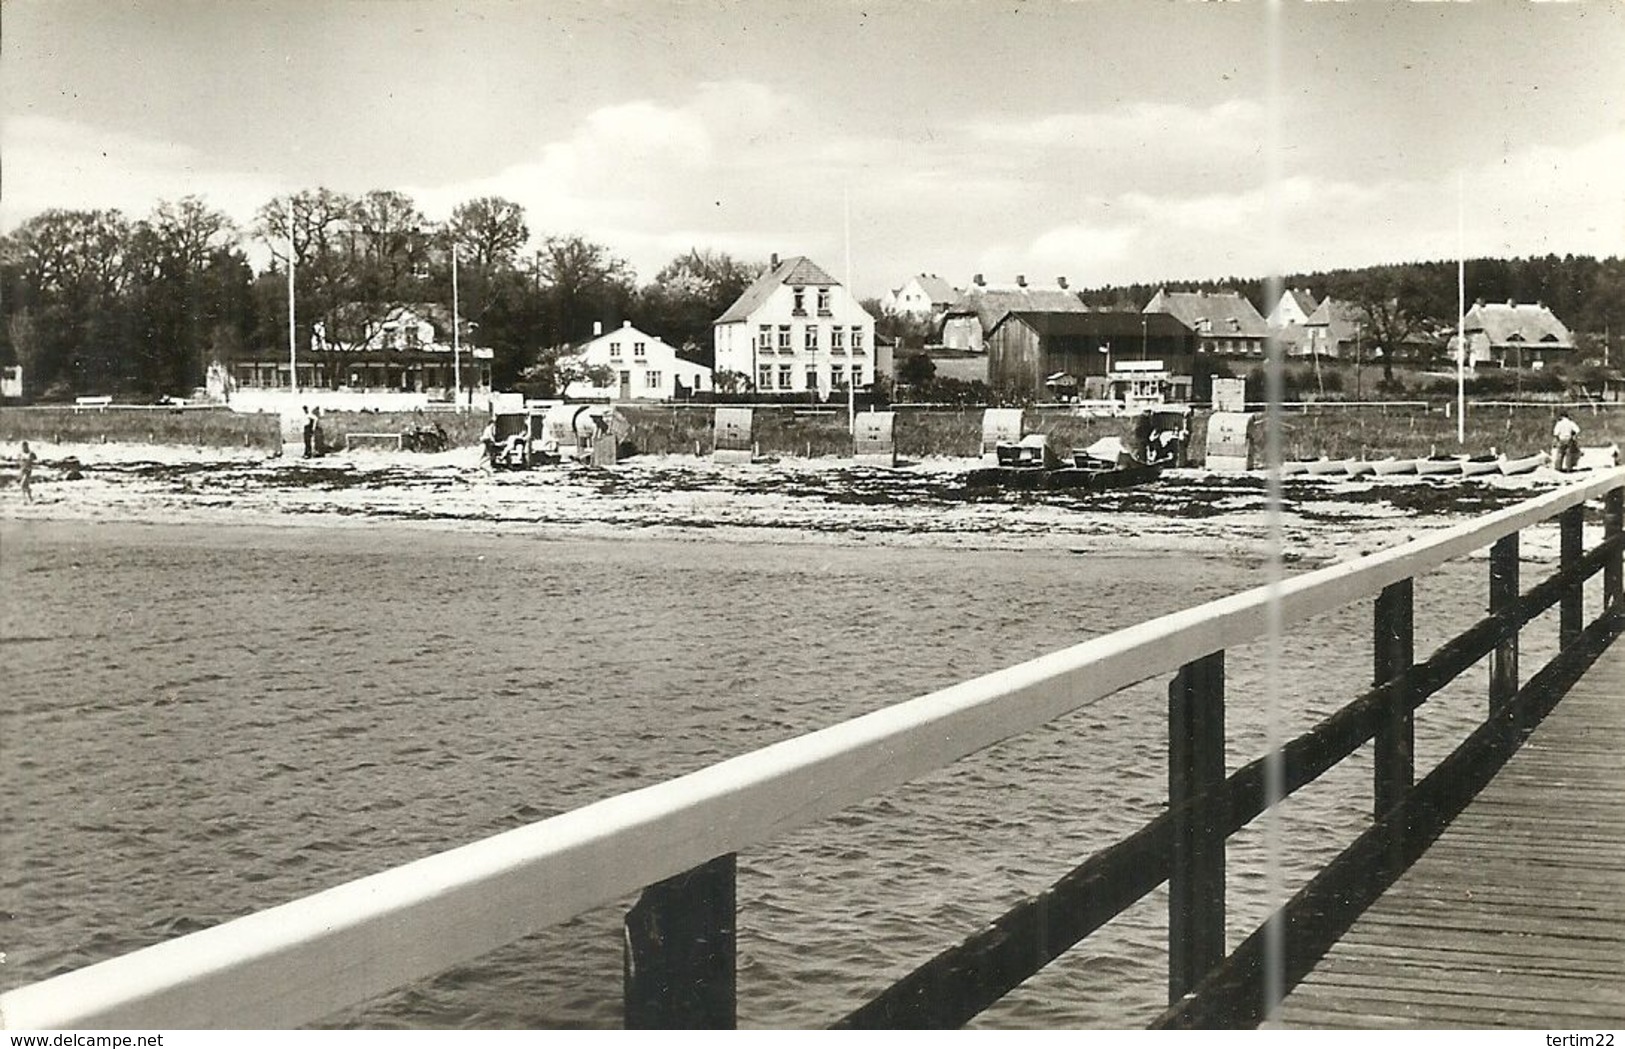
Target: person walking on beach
{"x": 488, "y": 445}
{"x": 25, "y": 472}
{"x": 310, "y": 431}
{"x": 1566, "y": 443}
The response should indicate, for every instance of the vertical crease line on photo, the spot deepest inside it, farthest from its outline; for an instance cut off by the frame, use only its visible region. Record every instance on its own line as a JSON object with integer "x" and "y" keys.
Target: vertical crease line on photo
{"x": 1274, "y": 394}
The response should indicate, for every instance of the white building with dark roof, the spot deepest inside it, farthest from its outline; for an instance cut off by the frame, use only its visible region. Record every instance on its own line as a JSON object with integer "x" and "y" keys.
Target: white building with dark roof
{"x": 796, "y": 329}
{"x": 640, "y": 367}
{"x": 923, "y": 295}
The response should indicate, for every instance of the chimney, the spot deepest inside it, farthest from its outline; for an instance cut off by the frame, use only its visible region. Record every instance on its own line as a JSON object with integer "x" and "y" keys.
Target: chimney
{"x": 597, "y": 328}
{"x": 775, "y": 263}
{"x": 1021, "y": 280}
{"x": 1511, "y": 303}
{"x": 979, "y": 280}
{"x": 626, "y": 324}
{"x": 1061, "y": 283}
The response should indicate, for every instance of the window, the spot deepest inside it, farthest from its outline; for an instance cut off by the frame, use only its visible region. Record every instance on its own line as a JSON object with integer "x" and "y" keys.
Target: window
{"x": 784, "y": 338}
{"x": 823, "y": 301}
{"x": 857, "y": 340}
{"x": 810, "y": 340}
{"x": 764, "y": 338}
{"x": 857, "y": 375}
{"x": 837, "y": 339}
{"x": 837, "y": 376}
{"x": 639, "y": 351}
{"x": 784, "y": 376}
{"x": 812, "y": 378}
{"x": 651, "y": 380}
{"x": 614, "y": 350}
{"x": 764, "y": 377}
{"x": 800, "y": 307}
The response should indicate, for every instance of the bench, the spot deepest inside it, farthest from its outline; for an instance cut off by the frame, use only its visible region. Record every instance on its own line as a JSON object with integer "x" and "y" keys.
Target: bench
{"x": 98, "y": 403}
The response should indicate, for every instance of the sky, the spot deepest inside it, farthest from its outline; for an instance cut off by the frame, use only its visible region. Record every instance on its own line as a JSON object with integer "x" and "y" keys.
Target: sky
{"x": 1106, "y": 142}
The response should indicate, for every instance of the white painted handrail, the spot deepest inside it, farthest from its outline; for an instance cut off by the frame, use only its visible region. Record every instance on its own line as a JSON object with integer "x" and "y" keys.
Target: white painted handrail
{"x": 304, "y": 960}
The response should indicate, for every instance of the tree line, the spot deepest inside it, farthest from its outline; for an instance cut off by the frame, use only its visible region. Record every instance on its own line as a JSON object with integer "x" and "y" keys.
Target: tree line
{"x": 1402, "y": 301}
{"x": 95, "y": 302}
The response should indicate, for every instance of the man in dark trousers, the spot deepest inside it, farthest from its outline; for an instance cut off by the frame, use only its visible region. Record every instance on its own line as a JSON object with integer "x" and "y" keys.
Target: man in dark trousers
{"x": 310, "y": 432}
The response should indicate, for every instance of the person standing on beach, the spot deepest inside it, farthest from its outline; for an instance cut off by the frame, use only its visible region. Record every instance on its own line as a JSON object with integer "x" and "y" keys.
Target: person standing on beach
{"x": 25, "y": 472}
{"x": 1566, "y": 441}
{"x": 310, "y": 430}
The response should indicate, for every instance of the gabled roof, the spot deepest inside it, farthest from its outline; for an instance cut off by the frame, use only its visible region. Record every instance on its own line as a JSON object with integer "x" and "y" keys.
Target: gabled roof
{"x": 798, "y": 270}
{"x": 990, "y": 304}
{"x": 938, "y": 289}
{"x": 1227, "y": 313}
{"x": 354, "y": 322}
{"x": 1339, "y": 317}
{"x": 1302, "y": 297}
{"x": 1523, "y": 322}
{"x": 1095, "y": 323}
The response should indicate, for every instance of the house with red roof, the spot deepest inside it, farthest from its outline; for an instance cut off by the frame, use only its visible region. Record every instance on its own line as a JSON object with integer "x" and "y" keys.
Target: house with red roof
{"x": 796, "y": 329}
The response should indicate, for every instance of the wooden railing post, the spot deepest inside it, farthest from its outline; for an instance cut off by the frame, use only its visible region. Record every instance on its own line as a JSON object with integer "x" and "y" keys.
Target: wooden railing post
{"x": 1394, "y": 653}
{"x": 1571, "y": 609}
{"x": 1613, "y": 525}
{"x": 680, "y": 950}
{"x": 1195, "y": 800}
{"x": 1503, "y": 593}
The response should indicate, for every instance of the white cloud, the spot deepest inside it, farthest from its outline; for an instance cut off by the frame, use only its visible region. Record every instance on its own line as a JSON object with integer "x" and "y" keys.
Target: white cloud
{"x": 52, "y": 163}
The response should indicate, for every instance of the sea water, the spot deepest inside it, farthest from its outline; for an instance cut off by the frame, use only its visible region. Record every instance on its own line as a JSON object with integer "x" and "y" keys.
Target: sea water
{"x": 200, "y": 722}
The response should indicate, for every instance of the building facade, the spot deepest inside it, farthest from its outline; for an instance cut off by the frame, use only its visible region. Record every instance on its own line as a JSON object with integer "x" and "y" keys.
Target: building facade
{"x": 641, "y": 366}
{"x": 1225, "y": 323}
{"x": 922, "y": 296}
{"x": 979, "y": 309}
{"x": 796, "y": 329}
{"x": 1513, "y": 335}
{"x": 402, "y": 348}
{"x": 1036, "y": 353}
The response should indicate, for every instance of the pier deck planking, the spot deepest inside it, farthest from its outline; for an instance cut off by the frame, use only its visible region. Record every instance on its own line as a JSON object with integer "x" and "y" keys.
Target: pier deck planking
{"x": 1516, "y": 916}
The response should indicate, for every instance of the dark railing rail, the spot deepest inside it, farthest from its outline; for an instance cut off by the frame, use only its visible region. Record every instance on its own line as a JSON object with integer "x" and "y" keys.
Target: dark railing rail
{"x": 677, "y": 840}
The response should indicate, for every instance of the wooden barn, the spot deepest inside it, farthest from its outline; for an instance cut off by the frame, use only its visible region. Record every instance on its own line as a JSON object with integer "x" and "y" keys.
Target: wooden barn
{"x": 1026, "y": 349}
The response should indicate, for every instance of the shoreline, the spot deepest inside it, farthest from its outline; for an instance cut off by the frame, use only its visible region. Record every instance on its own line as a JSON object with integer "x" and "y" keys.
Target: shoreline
{"x": 790, "y": 502}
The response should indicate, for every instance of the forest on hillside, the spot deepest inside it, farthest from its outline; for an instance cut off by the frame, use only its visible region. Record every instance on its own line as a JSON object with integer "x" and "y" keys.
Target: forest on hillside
{"x": 1586, "y": 293}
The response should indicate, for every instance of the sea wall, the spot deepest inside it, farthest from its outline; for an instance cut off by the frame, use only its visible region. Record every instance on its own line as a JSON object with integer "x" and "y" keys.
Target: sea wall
{"x": 198, "y": 427}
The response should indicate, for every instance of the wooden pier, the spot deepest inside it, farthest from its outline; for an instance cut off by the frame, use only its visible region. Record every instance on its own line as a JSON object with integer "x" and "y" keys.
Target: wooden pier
{"x": 1515, "y": 917}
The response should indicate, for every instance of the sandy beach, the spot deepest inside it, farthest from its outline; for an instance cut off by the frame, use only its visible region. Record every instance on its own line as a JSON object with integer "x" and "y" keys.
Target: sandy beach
{"x": 789, "y": 501}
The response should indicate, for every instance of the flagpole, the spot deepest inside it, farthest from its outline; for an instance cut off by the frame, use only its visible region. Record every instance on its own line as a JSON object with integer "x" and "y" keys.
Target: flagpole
{"x": 1461, "y": 311}
{"x": 293, "y": 359}
{"x": 456, "y": 341}
{"x": 851, "y": 387}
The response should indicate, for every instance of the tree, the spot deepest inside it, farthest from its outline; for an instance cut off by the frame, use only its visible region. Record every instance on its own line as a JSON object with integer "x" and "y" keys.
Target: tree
{"x": 1382, "y": 309}
{"x": 313, "y": 228}
{"x": 189, "y": 286}
{"x": 488, "y": 232}
{"x": 389, "y": 248}
{"x": 581, "y": 282}
{"x": 559, "y": 366}
{"x": 687, "y": 296}
{"x": 917, "y": 370}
